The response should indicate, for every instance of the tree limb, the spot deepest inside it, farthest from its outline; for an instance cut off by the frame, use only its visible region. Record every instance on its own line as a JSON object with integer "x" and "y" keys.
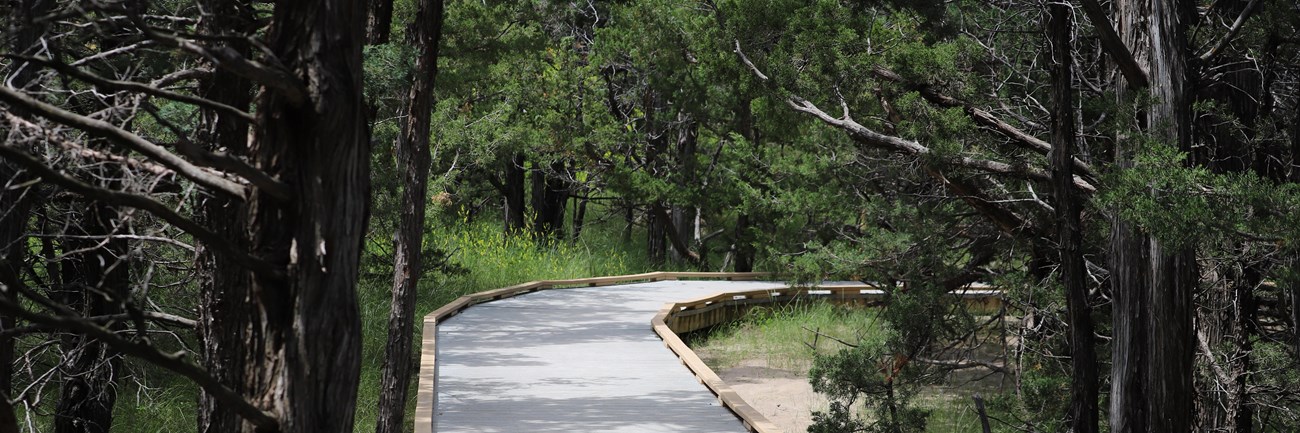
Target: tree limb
{"x": 131, "y": 86}
{"x": 980, "y": 116}
{"x": 674, "y": 238}
{"x": 174, "y": 362}
{"x": 147, "y": 204}
{"x": 134, "y": 142}
{"x": 278, "y": 79}
{"x": 1110, "y": 41}
{"x": 1232, "y": 32}
{"x": 864, "y": 135}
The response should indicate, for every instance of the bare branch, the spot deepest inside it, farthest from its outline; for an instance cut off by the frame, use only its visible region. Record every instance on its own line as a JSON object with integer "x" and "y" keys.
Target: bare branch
{"x": 1232, "y": 31}
{"x": 278, "y": 79}
{"x": 209, "y": 238}
{"x": 980, "y": 116}
{"x": 749, "y": 63}
{"x": 85, "y": 152}
{"x": 1114, "y": 46}
{"x": 130, "y": 86}
{"x": 174, "y": 362}
{"x": 864, "y": 135}
{"x": 134, "y": 142}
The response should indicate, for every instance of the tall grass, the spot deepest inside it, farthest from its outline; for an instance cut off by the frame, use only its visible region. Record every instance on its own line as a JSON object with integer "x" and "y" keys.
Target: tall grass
{"x": 787, "y": 336}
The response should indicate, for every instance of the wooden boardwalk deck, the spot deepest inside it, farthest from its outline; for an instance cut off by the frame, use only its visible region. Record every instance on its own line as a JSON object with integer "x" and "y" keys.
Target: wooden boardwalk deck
{"x": 574, "y": 360}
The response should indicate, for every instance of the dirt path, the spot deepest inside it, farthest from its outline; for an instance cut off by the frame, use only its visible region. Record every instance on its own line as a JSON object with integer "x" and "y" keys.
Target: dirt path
{"x": 783, "y": 396}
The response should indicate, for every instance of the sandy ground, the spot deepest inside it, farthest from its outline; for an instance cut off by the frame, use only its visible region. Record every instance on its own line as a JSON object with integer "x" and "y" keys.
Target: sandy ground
{"x": 783, "y": 396}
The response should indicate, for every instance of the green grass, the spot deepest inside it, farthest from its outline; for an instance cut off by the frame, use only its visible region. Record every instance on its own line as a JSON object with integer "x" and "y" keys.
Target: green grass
{"x": 786, "y": 335}
{"x": 154, "y": 401}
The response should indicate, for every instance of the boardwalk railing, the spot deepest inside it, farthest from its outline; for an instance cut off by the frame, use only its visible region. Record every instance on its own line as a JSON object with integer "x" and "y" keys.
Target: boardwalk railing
{"x": 673, "y": 319}
{"x": 427, "y": 394}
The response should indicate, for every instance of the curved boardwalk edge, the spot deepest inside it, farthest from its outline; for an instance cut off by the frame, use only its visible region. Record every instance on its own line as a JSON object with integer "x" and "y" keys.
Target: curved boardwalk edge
{"x": 672, "y": 320}
{"x": 426, "y": 391}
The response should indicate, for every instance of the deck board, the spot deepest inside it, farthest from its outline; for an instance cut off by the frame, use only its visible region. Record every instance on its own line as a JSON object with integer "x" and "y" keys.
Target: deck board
{"x": 574, "y": 360}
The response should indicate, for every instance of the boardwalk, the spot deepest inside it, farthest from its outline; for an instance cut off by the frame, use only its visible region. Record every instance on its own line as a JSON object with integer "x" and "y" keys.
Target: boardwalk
{"x": 574, "y": 360}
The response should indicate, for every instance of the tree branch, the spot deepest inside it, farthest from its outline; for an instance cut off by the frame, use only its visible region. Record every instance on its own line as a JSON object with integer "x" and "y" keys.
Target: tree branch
{"x": 174, "y": 362}
{"x": 1232, "y": 31}
{"x": 131, "y": 86}
{"x": 134, "y": 142}
{"x": 864, "y": 135}
{"x": 278, "y": 79}
{"x": 1110, "y": 41}
{"x": 147, "y": 204}
{"x": 980, "y": 116}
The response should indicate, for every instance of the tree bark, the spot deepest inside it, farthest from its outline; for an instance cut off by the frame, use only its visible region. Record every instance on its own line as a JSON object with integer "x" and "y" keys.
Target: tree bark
{"x": 1083, "y": 359}
{"x": 308, "y": 326}
{"x": 95, "y": 281}
{"x": 514, "y": 194}
{"x": 1174, "y": 272}
{"x": 413, "y": 167}
{"x": 682, "y": 215}
{"x": 224, "y": 318}
{"x": 379, "y": 21}
{"x": 550, "y": 193}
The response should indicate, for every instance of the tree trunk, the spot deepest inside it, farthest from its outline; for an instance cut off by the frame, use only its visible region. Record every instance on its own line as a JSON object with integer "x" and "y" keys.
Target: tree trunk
{"x": 1174, "y": 273}
{"x": 413, "y": 167}
{"x": 656, "y": 238}
{"x": 308, "y": 326}
{"x": 514, "y": 194}
{"x": 683, "y": 215}
{"x": 1083, "y": 359}
{"x": 744, "y": 245}
{"x": 224, "y": 318}
{"x": 379, "y": 21}
{"x": 95, "y": 281}
{"x": 550, "y": 193}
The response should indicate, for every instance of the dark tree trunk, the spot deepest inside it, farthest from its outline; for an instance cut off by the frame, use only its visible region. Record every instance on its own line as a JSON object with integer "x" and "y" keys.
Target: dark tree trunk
{"x": 550, "y": 193}
{"x": 514, "y": 194}
{"x": 15, "y": 206}
{"x": 1128, "y": 262}
{"x": 224, "y": 317}
{"x": 579, "y": 216}
{"x": 656, "y": 238}
{"x": 95, "y": 281}
{"x": 683, "y": 217}
{"x": 308, "y": 326}
{"x": 379, "y": 21}
{"x": 1174, "y": 273}
{"x": 1083, "y": 358}
{"x": 413, "y": 167}
{"x": 1152, "y": 367}
{"x": 744, "y": 245}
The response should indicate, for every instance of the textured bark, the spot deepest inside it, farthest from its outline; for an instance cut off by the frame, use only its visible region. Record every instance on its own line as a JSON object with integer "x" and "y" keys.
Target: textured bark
{"x": 307, "y": 326}
{"x": 413, "y": 168}
{"x": 656, "y": 236}
{"x": 1083, "y": 358}
{"x": 379, "y": 21}
{"x": 224, "y": 318}
{"x": 683, "y": 217}
{"x": 1174, "y": 273}
{"x": 514, "y": 194}
{"x": 1153, "y": 281}
{"x": 550, "y": 194}
{"x": 88, "y": 391}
